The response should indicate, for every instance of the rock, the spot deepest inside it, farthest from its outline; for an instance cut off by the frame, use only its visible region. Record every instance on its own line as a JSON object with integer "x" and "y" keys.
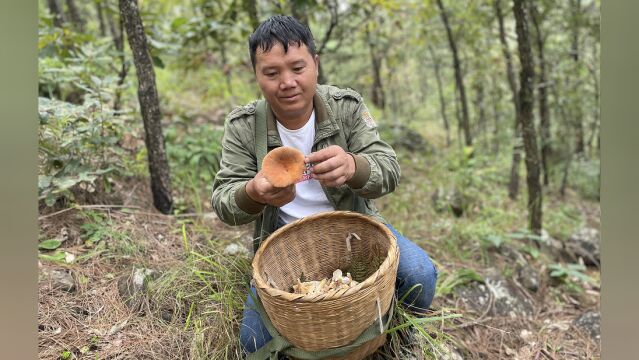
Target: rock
{"x": 450, "y": 353}
{"x": 62, "y": 280}
{"x": 590, "y": 323}
{"x": 405, "y": 137}
{"x": 496, "y": 293}
{"x": 551, "y": 246}
{"x": 210, "y": 217}
{"x": 529, "y": 277}
{"x": 452, "y": 199}
{"x": 235, "y": 249}
{"x": 585, "y": 243}
{"x": 133, "y": 287}
{"x": 513, "y": 254}
{"x": 458, "y": 202}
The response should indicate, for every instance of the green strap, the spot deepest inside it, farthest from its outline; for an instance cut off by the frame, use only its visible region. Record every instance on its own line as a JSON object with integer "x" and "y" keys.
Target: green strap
{"x": 260, "y": 132}
{"x": 359, "y": 204}
{"x": 260, "y": 152}
{"x": 279, "y": 345}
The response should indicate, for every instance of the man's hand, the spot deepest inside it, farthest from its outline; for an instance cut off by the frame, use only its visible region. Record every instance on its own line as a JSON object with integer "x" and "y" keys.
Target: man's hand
{"x": 332, "y": 166}
{"x": 262, "y": 191}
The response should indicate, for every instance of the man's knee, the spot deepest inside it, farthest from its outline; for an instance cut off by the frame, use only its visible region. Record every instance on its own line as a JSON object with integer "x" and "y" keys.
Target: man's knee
{"x": 417, "y": 286}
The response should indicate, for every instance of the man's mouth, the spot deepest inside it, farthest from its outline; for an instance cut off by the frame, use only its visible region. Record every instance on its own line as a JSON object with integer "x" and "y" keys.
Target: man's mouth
{"x": 290, "y": 98}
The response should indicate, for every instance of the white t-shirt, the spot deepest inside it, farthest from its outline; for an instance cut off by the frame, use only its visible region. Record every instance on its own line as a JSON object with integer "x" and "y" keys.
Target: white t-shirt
{"x": 309, "y": 195}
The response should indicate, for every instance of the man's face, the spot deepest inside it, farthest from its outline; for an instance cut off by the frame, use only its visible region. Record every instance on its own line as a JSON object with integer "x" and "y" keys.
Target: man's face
{"x": 288, "y": 81}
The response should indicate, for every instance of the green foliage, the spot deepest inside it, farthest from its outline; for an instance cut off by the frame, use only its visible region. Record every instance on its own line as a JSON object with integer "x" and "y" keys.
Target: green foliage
{"x": 447, "y": 282}
{"x": 76, "y": 147}
{"x": 50, "y": 244}
{"x": 585, "y": 178}
{"x": 572, "y": 275}
{"x": 562, "y": 220}
{"x": 207, "y": 289}
{"x": 194, "y": 153}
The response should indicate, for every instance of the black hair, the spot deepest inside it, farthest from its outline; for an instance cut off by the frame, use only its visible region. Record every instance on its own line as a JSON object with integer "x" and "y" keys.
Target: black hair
{"x": 282, "y": 29}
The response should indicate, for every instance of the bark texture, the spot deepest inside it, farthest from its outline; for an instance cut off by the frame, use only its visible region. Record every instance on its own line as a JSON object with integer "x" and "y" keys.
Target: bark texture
{"x": 459, "y": 79}
{"x": 149, "y": 106}
{"x": 526, "y": 79}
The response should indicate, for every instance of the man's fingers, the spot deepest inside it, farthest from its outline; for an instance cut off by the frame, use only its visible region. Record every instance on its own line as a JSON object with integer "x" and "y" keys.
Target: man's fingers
{"x": 325, "y": 166}
{"x": 322, "y": 155}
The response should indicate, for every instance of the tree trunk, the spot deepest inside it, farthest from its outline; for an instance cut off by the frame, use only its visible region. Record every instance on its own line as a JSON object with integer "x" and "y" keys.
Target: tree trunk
{"x": 299, "y": 10}
{"x": 594, "y": 126}
{"x": 440, "y": 91}
{"x": 513, "y": 183}
{"x": 479, "y": 106}
{"x": 578, "y": 121}
{"x": 76, "y": 19}
{"x": 56, "y": 11}
{"x": 98, "y": 6}
{"x": 496, "y": 96}
{"x": 564, "y": 149}
{"x": 377, "y": 90}
{"x": 526, "y": 79}
{"x": 333, "y": 9}
{"x": 459, "y": 80}
{"x": 544, "y": 114}
{"x": 118, "y": 40}
{"x": 227, "y": 72}
{"x": 251, "y": 9}
{"x": 149, "y": 106}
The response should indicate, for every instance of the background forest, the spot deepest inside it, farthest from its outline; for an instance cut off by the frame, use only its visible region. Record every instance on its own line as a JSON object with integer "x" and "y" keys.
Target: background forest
{"x": 491, "y": 105}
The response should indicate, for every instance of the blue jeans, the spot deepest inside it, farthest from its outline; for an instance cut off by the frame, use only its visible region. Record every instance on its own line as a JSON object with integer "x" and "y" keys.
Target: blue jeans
{"x": 414, "y": 268}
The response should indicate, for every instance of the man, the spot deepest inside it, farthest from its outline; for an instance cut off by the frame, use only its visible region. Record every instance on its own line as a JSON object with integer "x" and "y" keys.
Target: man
{"x": 349, "y": 165}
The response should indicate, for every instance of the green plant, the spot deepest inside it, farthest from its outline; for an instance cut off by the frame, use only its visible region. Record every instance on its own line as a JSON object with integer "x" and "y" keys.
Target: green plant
{"x": 194, "y": 153}
{"x": 76, "y": 148}
{"x": 448, "y": 282}
{"x": 585, "y": 178}
{"x": 570, "y": 274}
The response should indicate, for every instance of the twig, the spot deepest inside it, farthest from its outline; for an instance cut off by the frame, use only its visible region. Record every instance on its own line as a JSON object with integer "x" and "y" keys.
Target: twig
{"x": 549, "y": 355}
{"x": 78, "y": 207}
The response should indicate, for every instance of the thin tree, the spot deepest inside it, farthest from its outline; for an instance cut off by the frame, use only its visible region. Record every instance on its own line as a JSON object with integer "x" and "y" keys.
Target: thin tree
{"x": 333, "y": 8}
{"x": 542, "y": 88}
{"x": 575, "y": 5}
{"x": 98, "y": 6}
{"x": 55, "y": 8}
{"x": 149, "y": 106}
{"x": 117, "y": 34}
{"x": 251, "y": 9}
{"x": 459, "y": 79}
{"x": 594, "y": 125}
{"x": 496, "y": 95}
{"x": 440, "y": 91}
{"x": 377, "y": 57}
{"x": 74, "y": 14}
{"x": 526, "y": 79}
{"x": 513, "y": 183}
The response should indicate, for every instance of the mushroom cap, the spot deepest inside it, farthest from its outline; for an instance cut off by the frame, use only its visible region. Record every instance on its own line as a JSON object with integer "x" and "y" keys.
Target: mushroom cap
{"x": 283, "y": 166}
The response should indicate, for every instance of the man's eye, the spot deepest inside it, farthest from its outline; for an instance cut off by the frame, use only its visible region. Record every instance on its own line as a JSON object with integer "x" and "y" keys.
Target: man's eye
{"x": 271, "y": 74}
{"x": 298, "y": 69}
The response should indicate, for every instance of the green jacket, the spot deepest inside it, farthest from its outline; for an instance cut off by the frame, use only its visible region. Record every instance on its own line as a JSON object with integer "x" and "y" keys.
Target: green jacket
{"x": 377, "y": 170}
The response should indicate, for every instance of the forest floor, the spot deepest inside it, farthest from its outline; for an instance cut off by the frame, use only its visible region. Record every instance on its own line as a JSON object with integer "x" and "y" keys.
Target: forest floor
{"x": 188, "y": 302}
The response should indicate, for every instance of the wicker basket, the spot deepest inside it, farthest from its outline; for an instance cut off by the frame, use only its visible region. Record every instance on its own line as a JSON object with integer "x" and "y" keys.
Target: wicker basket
{"x": 312, "y": 248}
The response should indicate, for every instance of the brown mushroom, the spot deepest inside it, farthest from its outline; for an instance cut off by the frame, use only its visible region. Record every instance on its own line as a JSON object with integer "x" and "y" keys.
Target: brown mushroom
{"x": 283, "y": 166}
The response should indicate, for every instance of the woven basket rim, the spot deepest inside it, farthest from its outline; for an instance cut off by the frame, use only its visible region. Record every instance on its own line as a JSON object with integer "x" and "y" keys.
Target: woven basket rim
{"x": 391, "y": 257}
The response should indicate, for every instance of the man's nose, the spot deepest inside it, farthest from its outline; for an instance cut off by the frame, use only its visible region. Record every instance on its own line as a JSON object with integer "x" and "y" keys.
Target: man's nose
{"x": 288, "y": 80}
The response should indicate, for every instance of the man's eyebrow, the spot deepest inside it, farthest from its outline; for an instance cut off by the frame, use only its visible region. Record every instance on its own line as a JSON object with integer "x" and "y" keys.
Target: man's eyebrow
{"x": 269, "y": 67}
{"x": 299, "y": 62}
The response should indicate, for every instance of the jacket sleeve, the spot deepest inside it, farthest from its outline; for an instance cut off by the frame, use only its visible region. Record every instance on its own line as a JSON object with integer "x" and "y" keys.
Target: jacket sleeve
{"x": 237, "y": 166}
{"x": 370, "y": 151}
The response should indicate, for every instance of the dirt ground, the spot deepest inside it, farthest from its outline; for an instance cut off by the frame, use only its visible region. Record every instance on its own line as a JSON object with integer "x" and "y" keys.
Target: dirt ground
{"x": 92, "y": 321}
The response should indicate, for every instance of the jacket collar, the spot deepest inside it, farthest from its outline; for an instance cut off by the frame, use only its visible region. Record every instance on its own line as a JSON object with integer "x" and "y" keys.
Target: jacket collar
{"x": 325, "y": 124}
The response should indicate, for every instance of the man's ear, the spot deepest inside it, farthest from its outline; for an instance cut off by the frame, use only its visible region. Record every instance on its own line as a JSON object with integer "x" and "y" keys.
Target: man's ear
{"x": 316, "y": 59}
